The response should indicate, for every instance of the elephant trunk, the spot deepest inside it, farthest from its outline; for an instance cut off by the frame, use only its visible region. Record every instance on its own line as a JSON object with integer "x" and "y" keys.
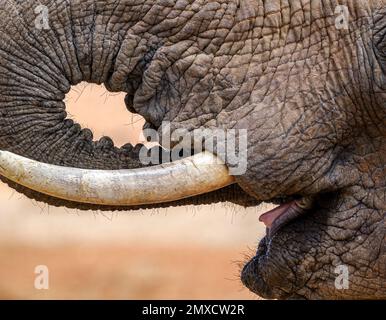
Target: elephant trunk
{"x": 38, "y": 66}
{"x": 88, "y": 41}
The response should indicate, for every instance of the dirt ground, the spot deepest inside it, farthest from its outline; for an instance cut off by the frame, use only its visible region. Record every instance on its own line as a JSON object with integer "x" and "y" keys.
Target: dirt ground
{"x": 175, "y": 253}
{"x": 118, "y": 272}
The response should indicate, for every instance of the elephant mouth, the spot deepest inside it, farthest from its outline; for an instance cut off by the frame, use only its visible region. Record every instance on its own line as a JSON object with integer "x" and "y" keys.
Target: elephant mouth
{"x": 288, "y": 210}
{"x": 255, "y": 272}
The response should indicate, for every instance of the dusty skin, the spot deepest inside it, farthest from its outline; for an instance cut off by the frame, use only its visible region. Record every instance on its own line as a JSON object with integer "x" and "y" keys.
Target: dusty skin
{"x": 308, "y": 84}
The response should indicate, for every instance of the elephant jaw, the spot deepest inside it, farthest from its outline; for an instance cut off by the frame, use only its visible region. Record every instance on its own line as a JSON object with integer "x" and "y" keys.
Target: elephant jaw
{"x": 195, "y": 175}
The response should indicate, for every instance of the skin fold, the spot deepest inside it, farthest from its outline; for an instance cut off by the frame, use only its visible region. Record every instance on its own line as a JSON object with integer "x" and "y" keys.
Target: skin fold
{"x": 311, "y": 94}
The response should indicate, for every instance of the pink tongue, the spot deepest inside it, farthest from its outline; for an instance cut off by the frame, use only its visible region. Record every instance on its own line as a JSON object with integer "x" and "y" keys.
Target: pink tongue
{"x": 269, "y": 217}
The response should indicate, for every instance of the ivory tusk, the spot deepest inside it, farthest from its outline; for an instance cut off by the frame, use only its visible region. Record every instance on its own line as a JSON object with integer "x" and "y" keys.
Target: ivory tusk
{"x": 198, "y": 174}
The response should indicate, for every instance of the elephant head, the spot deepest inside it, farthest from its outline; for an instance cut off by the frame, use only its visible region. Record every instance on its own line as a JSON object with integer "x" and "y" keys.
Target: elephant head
{"x": 306, "y": 79}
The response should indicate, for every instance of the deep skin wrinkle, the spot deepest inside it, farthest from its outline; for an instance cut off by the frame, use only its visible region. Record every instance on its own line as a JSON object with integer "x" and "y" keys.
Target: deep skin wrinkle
{"x": 311, "y": 95}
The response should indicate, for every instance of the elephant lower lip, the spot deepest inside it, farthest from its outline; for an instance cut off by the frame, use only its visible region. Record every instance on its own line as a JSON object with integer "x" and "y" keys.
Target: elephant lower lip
{"x": 283, "y": 214}
{"x": 251, "y": 278}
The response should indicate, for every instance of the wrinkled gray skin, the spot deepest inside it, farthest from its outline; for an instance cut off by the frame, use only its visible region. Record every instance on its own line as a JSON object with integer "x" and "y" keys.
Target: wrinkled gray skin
{"x": 312, "y": 97}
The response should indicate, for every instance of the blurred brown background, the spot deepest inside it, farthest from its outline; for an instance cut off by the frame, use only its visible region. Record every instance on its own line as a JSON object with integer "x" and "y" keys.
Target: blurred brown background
{"x": 175, "y": 253}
